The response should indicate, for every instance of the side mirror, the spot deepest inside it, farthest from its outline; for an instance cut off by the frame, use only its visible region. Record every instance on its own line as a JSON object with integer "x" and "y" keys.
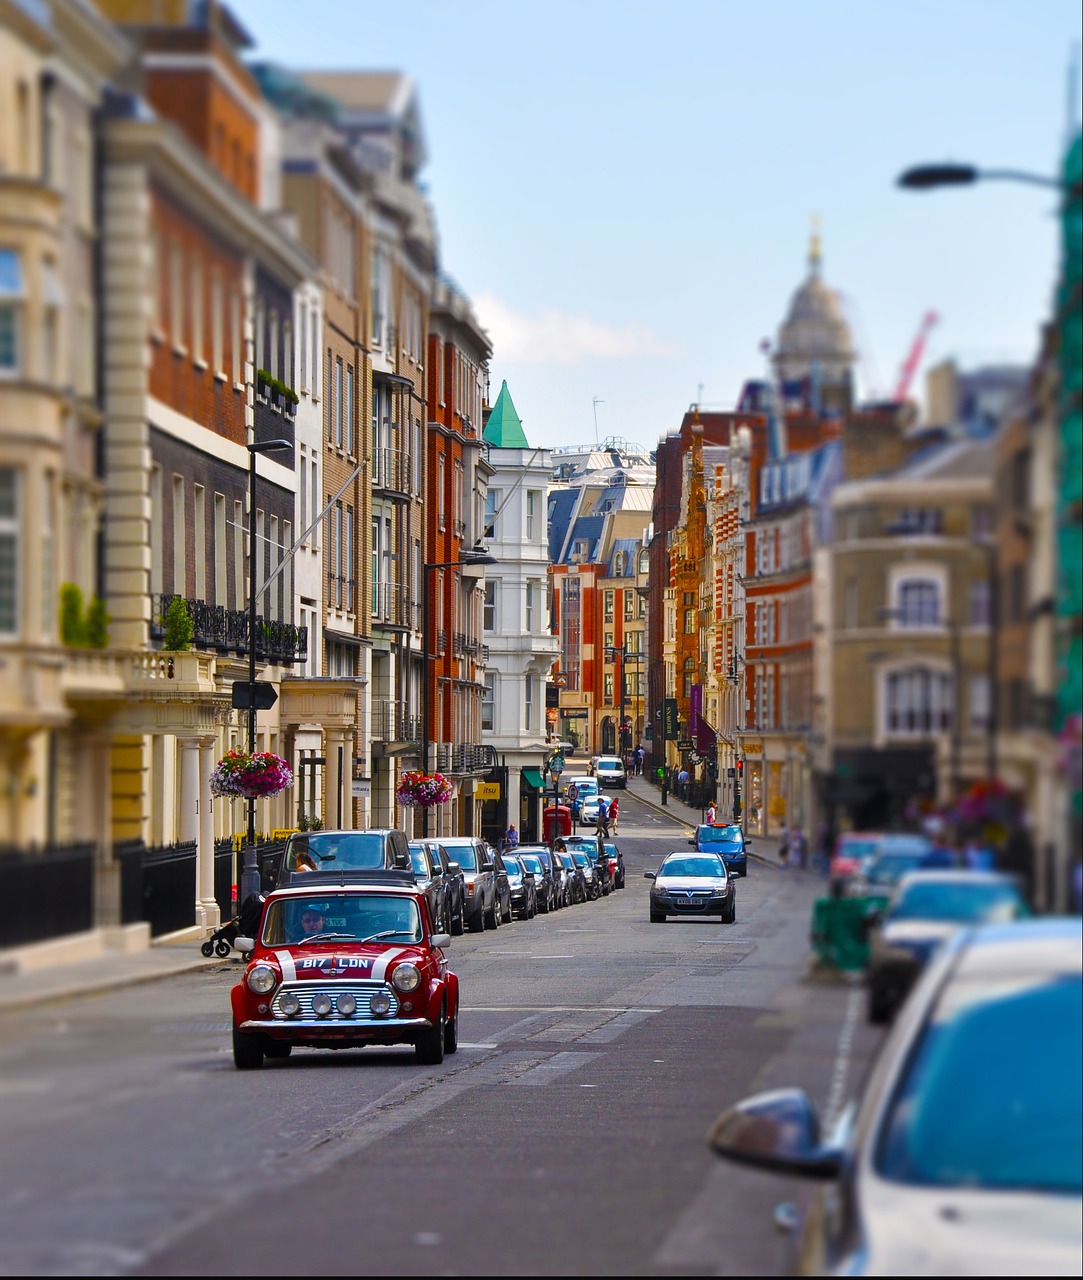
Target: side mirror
{"x": 440, "y": 939}
{"x": 692, "y": 842}
{"x": 649, "y": 875}
{"x": 243, "y": 944}
{"x": 454, "y": 868}
{"x": 778, "y": 1132}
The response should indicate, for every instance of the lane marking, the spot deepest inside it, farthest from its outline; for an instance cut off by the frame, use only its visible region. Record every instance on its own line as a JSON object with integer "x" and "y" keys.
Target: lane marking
{"x": 843, "y": 1053}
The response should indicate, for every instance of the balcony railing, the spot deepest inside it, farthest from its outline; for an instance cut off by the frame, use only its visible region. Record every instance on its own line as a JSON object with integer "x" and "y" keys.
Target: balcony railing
{"x": 391, "y": 603}
{"x": 392, "y": 721}
{"x": 226, "y": 631}
{"x": 464, "y": 758}
{"x": 391, "y": 470}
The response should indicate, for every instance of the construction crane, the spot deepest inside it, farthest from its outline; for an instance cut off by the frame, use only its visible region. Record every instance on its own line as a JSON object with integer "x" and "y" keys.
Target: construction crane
{"x": 913, "y": 359}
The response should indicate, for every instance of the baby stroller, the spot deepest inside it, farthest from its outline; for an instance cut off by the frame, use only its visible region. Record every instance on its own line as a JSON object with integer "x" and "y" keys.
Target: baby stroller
{"x": 245, "y": 923}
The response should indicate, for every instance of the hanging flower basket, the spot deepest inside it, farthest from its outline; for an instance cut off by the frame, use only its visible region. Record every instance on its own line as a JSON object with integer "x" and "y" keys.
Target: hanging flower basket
{"x": 252, "y": 776}
{"x": 423, "y": 790}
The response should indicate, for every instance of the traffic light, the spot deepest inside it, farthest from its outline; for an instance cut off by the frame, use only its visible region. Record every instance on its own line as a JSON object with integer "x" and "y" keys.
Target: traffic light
{"x": 740, "y": 767}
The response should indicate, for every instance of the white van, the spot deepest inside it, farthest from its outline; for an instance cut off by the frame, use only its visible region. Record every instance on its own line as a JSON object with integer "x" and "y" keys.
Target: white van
{"x": 610, "y": 772}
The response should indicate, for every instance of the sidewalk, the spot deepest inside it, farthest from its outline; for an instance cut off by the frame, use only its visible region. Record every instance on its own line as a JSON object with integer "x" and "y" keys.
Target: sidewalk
{"x": 34, "y": 976}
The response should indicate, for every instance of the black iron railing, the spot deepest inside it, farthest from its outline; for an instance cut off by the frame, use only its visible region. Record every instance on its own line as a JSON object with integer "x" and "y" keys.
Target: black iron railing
{"x": 226, "y": 631}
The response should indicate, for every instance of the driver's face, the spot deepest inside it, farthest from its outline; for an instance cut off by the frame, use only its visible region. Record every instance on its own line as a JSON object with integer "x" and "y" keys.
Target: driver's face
{"x": 311, "y": 922}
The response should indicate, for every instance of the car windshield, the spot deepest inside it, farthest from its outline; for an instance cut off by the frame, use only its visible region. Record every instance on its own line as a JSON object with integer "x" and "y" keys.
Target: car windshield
{"x": 331, "y": 918}
{"x": 685, "y": 866}
{"x": 721, "y": 835}
{"x": 464, "y": 854}
{"x": 580, "y": 858}
{"x": 417, "y": 858}
{"x": 336, "y": 851}
{"x": 533, "y": 864}
{"x": 888, "y": 869}
{"x": 991, "y": 1098}
{"x": 857, "y": 848}
{"x": 968, "y": 902}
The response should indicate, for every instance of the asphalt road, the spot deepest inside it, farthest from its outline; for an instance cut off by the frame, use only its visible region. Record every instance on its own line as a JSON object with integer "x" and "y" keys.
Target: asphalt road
{"x": 566, "y": 1137}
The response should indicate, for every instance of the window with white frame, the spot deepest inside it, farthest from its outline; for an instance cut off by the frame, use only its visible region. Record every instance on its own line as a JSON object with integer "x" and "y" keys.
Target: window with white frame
{"x": 980, "y": 709}
{"x": 349, "y": 410}
{"x": 533, "y": 506}
{"x": 488, "y": 703}
{"x": 12, "y": 295}
{"x": 917, "y": 700}
{"x": 492, "y": 506}
{"x": 608, "y": 605}
{"x": 378, "y": 296}
{"x": 528, "y": 705}
{"x": 917, "y": 602}
{"x": 532, "y": 595}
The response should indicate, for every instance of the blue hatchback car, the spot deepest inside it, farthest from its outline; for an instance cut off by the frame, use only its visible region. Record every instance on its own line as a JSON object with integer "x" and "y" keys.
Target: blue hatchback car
{"x": 728, "y": 841}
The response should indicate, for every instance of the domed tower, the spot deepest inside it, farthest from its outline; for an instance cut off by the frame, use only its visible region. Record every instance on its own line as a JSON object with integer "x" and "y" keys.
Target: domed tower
{"x": 815, "y": 351}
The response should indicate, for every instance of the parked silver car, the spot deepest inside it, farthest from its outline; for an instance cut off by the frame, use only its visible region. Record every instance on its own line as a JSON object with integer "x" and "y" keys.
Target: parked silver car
{"x": 475, "y": 857}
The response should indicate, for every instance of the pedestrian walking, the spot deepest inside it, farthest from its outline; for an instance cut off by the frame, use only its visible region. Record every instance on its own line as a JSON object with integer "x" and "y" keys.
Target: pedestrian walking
{"x": 682, "y": 782}
{"x": 511, "y": 837}
{"x": 614, "y": 804}
{"x": 601, "y": 827}
{"x": 710, "y": 815}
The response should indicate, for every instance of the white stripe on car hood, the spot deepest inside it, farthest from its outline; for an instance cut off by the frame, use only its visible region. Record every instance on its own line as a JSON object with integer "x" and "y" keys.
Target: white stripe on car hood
{"x": 379, "y": 965}
{"x": 289, "y": 969}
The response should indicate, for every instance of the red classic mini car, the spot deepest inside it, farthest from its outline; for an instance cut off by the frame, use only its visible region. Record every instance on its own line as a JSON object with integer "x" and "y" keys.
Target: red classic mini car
{"x": 341, "y": 967}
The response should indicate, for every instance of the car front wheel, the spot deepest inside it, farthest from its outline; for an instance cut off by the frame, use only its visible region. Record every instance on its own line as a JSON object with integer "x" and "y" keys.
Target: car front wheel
{"x": 247, "y": 1051}
{"x": 657, "y": 917}
{"x": 430, "y": 1044}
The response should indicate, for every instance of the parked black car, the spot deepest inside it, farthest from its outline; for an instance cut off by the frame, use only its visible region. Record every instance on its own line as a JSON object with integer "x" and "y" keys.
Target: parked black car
{"x": 475, "y": 857}
{"x": 503, "y": 885}
{"x": 539, "y": 861}
{"x": 592, "y": 879}
{"x": 575, "y": 880}
{"x": 444, "y": 891}
{"x": 524, "y": 893}
{"x": 324, "y": 857}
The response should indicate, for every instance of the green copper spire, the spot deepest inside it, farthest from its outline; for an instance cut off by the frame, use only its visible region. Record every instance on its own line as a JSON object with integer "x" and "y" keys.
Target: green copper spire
{"x": 504, "y": 430}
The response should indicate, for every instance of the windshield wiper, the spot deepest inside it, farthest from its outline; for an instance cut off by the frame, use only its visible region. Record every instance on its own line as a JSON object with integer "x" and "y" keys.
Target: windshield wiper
{"x": 390, "y": 933}
{"x": 326, "y": 937}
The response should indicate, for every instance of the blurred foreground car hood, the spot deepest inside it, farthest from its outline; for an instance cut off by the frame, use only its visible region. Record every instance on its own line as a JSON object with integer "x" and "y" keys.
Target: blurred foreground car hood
{"x": 929, "y": 932}
{"x": 946, "y": 1232}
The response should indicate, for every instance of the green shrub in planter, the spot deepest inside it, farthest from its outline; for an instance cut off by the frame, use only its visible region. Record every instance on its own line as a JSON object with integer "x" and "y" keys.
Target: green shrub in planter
{"x": 178, "y": 626}
{"x": 71, "y": 616}
{"x": 96, "y": 625}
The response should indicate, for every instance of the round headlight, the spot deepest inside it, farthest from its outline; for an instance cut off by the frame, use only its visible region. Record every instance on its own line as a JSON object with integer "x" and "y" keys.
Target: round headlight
{"x": 407, "y": 977}
{"x": 289, "y": 1004}
{"x": 262, "y": 978}
{"x": 380, "y": 1003}
{"x": 347, "y": 1005}
{"x": 321, "y": 1004}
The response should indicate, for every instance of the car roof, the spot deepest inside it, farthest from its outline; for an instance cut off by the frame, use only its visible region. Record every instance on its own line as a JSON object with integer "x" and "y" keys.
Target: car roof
{"x": 1049, "y": 944}
{"x": 382, "y": 882}
{"x": 609, "y": 760}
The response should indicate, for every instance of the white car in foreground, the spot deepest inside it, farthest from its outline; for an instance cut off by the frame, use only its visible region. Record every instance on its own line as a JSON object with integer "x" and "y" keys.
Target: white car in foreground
{"x": 588, "y": 813}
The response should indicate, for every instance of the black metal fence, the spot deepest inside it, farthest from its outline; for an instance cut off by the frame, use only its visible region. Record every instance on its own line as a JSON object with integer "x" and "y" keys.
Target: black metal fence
{"x": 49, "y": 893}
{"x": 46, "y": 893}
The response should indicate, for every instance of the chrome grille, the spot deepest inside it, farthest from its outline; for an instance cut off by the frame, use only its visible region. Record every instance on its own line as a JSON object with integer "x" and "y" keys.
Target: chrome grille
{"x": 306, "y": 992}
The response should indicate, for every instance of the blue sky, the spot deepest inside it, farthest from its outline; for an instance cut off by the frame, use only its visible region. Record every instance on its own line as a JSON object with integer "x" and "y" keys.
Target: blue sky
{"x": 626, "y": 189}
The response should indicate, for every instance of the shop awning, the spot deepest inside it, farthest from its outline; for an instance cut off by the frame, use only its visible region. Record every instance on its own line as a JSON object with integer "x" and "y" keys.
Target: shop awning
{"x": 533, "y": 778}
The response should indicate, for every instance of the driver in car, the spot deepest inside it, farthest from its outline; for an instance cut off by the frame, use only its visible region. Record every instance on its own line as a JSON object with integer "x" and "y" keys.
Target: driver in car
{"x": 309, "y": 924}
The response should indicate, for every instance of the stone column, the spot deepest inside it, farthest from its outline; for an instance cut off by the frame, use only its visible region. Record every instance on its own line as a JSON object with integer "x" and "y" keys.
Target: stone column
{"x": 188, "y": 801}
{"x": 339, "y": 788}
{"x": 208, "y": 913}
{"x": 96, "y": 808}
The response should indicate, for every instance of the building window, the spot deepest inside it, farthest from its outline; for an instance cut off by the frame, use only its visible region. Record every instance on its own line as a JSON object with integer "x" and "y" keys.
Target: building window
{"x": 917, "y": 701}
{"x": 917, "y": 520}
{"x": 9, "y": 551}
{"x": 337, "y": 399}
{"x": 528, "y": 718}
{"x": 980, "y": 603}
{"x": 608, "y": 606}
{"x": 531, "y": 593}
{"x": 488, "y": 704}
{"x": 378, "y": 297}
{"x": 349, "y": 409}
{"x": 608, "y": 685}
{"x": 492, "y": 506}
{"x": 917, "y": 603}
{"x": 11, "y": 300}
{"x": 979, "y": 702}
{"x": 533, "y": 505}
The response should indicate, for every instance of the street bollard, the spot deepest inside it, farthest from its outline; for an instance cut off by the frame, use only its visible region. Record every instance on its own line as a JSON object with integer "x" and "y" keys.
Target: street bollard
{"x": 665, "y": 792}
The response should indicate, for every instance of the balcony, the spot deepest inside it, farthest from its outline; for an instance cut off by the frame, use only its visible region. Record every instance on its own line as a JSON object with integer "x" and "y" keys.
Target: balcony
{"x": 392, "y": 606}
{"x": 394, "y": 722}
{"x": 464, "y": 759}
{"x": 391, "y": 471}
{"x": 226, "y": 631}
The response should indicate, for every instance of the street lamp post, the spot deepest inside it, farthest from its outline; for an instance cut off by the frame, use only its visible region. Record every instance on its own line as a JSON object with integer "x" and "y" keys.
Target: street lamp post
{"x": 250, "y": 877}
{"x": 476, "y": 555}
{"x": 612, "y": 653}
